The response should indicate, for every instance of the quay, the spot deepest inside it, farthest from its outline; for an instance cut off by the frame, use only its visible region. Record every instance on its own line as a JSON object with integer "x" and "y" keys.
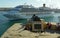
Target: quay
{"x": 15, "y": 32}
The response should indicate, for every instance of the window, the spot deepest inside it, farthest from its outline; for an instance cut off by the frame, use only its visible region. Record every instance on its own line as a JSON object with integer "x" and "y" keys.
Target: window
{"x": 37, "y": 26}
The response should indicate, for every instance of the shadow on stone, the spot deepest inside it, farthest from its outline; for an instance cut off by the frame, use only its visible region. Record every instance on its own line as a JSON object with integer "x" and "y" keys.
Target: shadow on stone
{"x": 58, "y": 37}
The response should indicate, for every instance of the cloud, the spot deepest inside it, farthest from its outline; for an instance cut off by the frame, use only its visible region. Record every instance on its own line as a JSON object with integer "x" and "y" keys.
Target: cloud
{"x": 37, "y": 0}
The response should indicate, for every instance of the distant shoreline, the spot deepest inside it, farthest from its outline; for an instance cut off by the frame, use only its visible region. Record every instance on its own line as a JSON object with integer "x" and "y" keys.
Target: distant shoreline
{"x": 9, "y": 9}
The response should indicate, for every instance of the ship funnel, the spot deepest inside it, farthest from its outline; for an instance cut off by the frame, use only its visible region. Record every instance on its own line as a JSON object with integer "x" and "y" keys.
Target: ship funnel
{"x": 43, "y": 5}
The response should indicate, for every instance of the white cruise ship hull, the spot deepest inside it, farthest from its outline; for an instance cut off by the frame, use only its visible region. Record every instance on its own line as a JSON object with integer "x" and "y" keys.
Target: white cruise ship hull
{"x": 27, "y": 15}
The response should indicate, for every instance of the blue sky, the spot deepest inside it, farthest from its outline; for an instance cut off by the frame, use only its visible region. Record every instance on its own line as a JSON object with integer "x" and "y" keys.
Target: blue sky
{"x": 36, "y": 3}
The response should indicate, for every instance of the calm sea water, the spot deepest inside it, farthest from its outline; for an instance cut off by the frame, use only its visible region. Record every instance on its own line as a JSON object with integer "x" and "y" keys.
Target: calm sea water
{"x": 4, "y": 25}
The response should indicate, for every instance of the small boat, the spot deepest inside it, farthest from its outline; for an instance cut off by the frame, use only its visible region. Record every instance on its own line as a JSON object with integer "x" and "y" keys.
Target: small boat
{"x": 40, "y": 25}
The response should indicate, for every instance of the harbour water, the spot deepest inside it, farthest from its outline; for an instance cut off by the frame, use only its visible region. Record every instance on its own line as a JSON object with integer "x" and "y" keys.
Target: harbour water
{"x": 4, "y": 25}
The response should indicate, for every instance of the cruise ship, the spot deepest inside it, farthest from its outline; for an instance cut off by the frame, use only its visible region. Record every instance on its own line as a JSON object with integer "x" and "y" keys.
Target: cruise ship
{"x": 26, "y": 12}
